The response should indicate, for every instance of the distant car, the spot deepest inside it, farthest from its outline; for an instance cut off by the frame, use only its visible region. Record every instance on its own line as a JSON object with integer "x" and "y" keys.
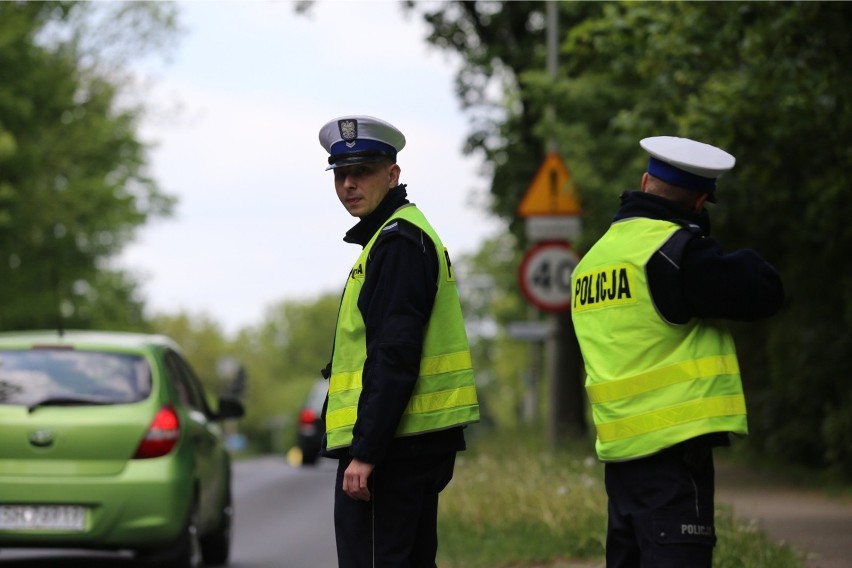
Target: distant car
{"x": 311, "y": 425}
{"x": 107, "y": 442}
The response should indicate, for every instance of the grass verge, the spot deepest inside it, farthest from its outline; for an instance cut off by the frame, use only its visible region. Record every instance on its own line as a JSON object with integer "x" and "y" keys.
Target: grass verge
{"x": 513, "y": 503}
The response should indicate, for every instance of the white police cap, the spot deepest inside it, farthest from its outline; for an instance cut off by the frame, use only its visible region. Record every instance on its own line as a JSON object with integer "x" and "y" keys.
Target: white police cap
{"x": 358, "y": 139}
{"x": 686, "y": 163}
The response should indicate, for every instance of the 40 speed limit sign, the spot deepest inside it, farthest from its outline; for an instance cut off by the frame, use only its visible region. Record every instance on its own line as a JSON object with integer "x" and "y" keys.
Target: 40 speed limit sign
{"x": 545, "y": 275}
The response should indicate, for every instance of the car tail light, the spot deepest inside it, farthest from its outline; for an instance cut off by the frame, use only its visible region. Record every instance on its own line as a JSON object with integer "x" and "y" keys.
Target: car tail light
{"x": 307, "y": 416}
{"x": 162, "y": 435}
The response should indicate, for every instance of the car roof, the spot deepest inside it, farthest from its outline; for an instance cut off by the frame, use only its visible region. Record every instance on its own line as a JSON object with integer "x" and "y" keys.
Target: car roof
{"x": 91, "y": 339}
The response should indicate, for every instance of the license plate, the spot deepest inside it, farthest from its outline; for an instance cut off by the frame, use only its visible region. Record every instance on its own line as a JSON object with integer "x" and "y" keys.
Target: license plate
{"x": 57, "y": 517}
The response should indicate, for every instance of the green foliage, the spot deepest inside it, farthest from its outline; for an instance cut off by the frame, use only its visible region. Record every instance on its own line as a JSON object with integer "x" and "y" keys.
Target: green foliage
{"x": 497, "y": 42}
{"x": 514, "y": 503}
{"x": 73, "y": 181}
{"x": 764, "y": 80}
{"x": 490, "y": 301}
{"x": 283, "y": 356}
{"x": 745, "y": 545}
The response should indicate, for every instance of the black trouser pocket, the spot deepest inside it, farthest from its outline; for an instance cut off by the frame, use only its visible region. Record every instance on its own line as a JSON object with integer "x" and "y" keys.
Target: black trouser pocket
{"x": 683, "y": 543}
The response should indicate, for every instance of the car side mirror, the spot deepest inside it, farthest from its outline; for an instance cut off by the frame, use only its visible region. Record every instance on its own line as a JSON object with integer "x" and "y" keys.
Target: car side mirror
{"x": 229, "y": 408}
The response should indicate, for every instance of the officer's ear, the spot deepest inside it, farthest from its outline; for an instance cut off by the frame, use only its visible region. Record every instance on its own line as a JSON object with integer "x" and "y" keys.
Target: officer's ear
{"x": 699, "y": 203}
{"x": 393, "y": 175}
{"x": 644, "y": 181}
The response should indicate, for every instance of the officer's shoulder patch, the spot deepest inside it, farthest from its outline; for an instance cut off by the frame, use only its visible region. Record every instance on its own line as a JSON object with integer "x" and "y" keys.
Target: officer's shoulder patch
{"x": 404, "y": 229}
{"x": 672, "y": 249}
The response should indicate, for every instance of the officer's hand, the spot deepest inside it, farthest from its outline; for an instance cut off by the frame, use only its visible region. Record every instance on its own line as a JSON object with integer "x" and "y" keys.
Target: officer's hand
{"x": 355, "y": 480}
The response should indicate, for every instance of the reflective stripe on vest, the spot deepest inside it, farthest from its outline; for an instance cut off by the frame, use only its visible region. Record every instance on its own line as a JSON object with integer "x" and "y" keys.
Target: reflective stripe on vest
{"x": 651, "y": 384}
{"x": 444, "y": 394}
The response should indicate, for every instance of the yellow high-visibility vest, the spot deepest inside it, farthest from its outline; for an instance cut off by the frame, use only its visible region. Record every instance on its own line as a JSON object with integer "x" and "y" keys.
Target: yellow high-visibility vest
{"x": 651, "y": 383}
{"x": 444, "y": 395}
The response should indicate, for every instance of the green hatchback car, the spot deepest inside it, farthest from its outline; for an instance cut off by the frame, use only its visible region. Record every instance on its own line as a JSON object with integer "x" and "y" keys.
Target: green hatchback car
{"x": 107, "y": 442}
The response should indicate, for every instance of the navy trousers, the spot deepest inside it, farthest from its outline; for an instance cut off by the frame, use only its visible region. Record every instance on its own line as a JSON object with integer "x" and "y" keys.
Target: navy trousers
{"x": 661, "y": 509}
{"x": 397, "y": 528}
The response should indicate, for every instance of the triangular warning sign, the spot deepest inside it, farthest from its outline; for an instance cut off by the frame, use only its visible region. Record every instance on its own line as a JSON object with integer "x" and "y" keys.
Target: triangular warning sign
{"x": 551, "y": 191}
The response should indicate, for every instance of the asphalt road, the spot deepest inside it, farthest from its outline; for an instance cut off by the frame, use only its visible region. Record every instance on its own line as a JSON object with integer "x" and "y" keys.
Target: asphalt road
{"x": 817, "y": 524}
{"x": 283, "y": 519}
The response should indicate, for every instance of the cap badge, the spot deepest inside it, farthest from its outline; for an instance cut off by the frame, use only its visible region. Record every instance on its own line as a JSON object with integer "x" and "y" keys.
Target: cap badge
{"x": 348, "y": 131}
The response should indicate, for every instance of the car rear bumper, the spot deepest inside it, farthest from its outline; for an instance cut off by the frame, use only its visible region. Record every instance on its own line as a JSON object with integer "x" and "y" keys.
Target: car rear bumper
{"x": 145, "y": 505}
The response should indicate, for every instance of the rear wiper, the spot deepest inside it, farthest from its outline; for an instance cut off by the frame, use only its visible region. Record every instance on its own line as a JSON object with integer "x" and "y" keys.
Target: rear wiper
{"x": 67, "y": 401}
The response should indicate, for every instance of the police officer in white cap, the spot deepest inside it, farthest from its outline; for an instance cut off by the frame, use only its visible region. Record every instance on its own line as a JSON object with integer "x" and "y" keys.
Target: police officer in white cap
{"x": 401, "y": 385}
{"x": 649, "y": 300}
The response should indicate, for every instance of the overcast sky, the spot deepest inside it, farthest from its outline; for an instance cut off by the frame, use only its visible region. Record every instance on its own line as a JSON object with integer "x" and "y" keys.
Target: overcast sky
{"x": 257, "y": 220}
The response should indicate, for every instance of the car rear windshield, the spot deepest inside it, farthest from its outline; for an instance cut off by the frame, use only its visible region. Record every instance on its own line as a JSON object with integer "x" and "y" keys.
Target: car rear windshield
{"x": 39, "y": 376}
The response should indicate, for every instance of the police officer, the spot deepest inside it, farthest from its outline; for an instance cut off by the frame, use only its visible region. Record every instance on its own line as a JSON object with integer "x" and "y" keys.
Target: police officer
{"x": 401, "y": 384}
{"x": 649, "y": 300}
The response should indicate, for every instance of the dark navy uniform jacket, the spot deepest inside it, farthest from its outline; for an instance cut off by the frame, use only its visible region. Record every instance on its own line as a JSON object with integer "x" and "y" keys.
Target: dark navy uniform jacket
{"x": 695, "y": 278}
{"x": 707, "y": 282}
{"x": 396, "y": 302}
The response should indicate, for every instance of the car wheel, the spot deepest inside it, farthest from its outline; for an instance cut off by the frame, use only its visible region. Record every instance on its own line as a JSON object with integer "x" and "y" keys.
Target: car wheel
{"x": 185, "y": 552}
{"x": 216, "y": 546}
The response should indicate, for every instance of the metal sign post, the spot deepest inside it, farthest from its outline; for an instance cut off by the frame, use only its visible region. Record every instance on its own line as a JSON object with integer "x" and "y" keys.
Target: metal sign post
{"x": 551, "y": 210}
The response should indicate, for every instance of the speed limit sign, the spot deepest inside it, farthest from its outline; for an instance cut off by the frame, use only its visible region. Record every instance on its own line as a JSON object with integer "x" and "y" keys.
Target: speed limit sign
{"x": 545, "y": 275}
